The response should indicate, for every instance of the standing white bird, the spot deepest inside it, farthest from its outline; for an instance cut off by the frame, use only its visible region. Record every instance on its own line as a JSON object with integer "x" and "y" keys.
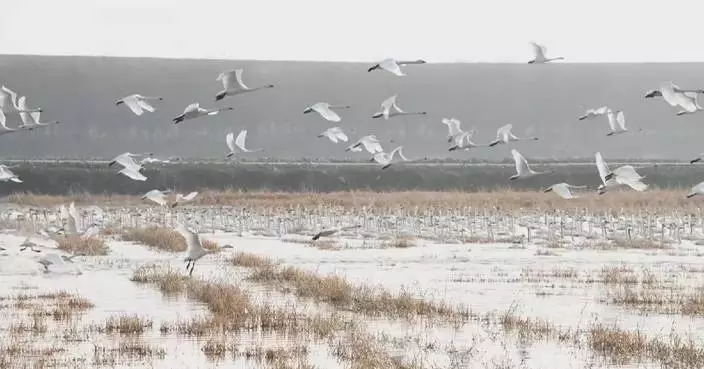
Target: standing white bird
{"x": 335, "y": 134}
{"x": 139, "y": 103}
{"x": 614, "y": 180}
{"x": 504, "y": 136}
{"x": 181, "y": 199}
{"x": 385, "y": 158}
{"x": 593, "y": 113}
{"x": 194, "y": 111}
{"x": 617, "y": 123}
{"x": 237, "y": 144}
{"x": 540, "y": 51}
{"x": 233, "y": 85}
{"x": 523, "y": 170}
{"x": 696, "y": 190}
{"x": 563, "y": 190}
{"x": 463, "y": 142}
{"x": 157, "y": 196}
{"x": 325, "y": 110}
{"x": 394, "y": 66}
{"x": 9, "y": 103}
{"x": 30, "y": 120}
{"x": 195, "y": 247}
{"x": 331, "y": 231}
{"x": 453, "y": 128}
{"x": 7, "y": 175}
{"x": 370, "y": 143}
{"x": 387, "y": 113}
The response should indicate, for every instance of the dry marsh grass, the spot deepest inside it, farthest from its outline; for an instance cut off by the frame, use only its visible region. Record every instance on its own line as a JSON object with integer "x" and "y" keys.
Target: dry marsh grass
{"x": 123, "y": 324}
{"x": 660, "y": 300}
{"x": 91, "y": 246}
{"x": 165, "y": 239}
{"x": 338, "y": 292}
{"x": 169, "y": 281}
{"x": 400, "y": 242}
{"x": 60, "y": 305}
{"x": 507, "y": 199}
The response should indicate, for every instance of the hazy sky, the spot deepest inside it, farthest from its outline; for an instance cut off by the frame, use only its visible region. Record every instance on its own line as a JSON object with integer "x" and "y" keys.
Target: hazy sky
{"x": 357, "y": 30}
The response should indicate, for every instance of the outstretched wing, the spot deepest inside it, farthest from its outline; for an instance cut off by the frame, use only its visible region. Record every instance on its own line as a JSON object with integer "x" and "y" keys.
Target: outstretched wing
{"x": 230, "y": 140}
{"x": 192, "y": 239}
{"x": 539, "y": 50}
{"x": 562, "y": 190}
{"x": 239, "y": 141}
{"x": 228, "y": 79}
{"x": 327, "y": 113}
{"x": 621, "y": 120}
{"x": 503, "y": 132}
{"x": 191, "y": 108}
{"x": 145, "y": 105}
{"x": 390, "y": 65}
{"x": 387, "y": 104}
{"x": 520, "y": 161}
{"x": 132, "y": 103}
{"x": 601, "y": 167}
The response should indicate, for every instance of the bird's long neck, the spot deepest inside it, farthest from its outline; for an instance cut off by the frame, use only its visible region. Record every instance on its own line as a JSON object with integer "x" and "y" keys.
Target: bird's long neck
{"x": 339, "y": 107}
{"x": 36, "y": 110}
{"x": 411, "y": 62}
{"x": 558, "y": 58}
{"x": 258, "y": 88}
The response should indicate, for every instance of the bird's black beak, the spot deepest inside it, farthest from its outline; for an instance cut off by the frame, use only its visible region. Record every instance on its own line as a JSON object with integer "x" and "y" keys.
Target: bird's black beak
{"x": 547, "y": 189}
{"x": 531, "y": 62}
{"x": 119, "y": 102}
{"x": 609, "y": 176}
{"x": 372, "y": 68}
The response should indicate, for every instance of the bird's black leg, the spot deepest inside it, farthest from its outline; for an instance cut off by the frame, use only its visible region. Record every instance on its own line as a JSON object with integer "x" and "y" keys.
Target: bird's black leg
{"x": 188, "y": 264}
{"x": 193, "y": 265}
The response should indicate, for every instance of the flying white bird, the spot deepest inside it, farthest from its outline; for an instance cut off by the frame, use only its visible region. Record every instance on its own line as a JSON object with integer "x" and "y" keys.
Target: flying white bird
{"x": 504, "y": 136}
{"x": 593, "y": 113}
{"x": 3, "y": 124}
{"x": 563, "y": 190}
{"x": 127, "y": 160}
{"x": 194, "y": 111}
{"x": 181, "y": 199}
{"x": 463, "y": 142}
{"x": 677, "y": 97}
{"x": 157, "y": 196}
{"x": 393, "y": 66}
{"x": 523, "y": 170}
{"x": 617, "y": 123}
{"x": 138, "y": 103}
{"x": 237, "y": 144}
{"x": 9, "y": 103}
{"x": 331, "y": 231}
{"x": 195, "y": 247}
{"x": 7, "y": 175}
{"x": 325, "y": 110}
{"x": 387, "y": 113}
{"x": 699, "y": 158}
{"x": 615, "y": 180}
{"x": 540, "y": 51}
{"x": 696, "y": 190}
{"x": 132, "y": 174}
{"x": 453, "y": 128}
{"x": 370, "y": 143}
{"x": 627, "y": 171}
{"x": 335, "y": 134}
{"x": 233, "y": 85}
{"x": 385, "y": 158}
{"x": 30, "y": 120}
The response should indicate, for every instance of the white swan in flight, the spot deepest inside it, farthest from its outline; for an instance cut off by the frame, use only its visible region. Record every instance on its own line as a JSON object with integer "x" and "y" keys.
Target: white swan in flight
{"x": 326, "y": 111}
{"x": 593, "y": 113}
{"x": 617, "y": 123}
{"x": 30, "y": 120}
{"x": 233, "y": 85}
{"x": 504, "y": 136}
{"x": 387, "y": 112}
{"x": 370, "y": 143}
{"x": 523, "y": 170}
{"x": 615, "y": 180}
{"x": 132, "y": 174}
{"x": 677, "y": 97}
{"x": 627, "y": 171}
{"x": 237, "y": 144}
{"x": 8, "y": 102}
{"x": 563, "y": 190}
{"x": 7, "y": 175}
{"x": 181, "y": 199}
{"x": 696, "y": 190}
{"x": 394, "y": 66}
{"x": 463, "y": 142}
{"x": 3, "y": 124}
{"x": 331, "y": 231}
{"x": 385, "y": 159}
{"x": 139, "y": 103}
{"x": 194, "y": 111}
{"x": 195, "y": 247}
{"x": 540, "y": 51}
{"x": 453, "y": 128}
{"x": 157, "y": 196}
{"x": 335, "y": 134}
{"x": 127, "y": 160}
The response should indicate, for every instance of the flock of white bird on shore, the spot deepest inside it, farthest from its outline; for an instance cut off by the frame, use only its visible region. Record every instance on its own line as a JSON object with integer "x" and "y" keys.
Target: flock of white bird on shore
{"x": 233, "y": 85}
